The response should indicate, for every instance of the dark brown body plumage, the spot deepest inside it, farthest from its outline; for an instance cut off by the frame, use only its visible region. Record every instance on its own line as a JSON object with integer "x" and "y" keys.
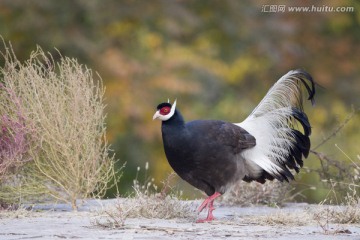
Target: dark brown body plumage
{"x": 205, "y": 153}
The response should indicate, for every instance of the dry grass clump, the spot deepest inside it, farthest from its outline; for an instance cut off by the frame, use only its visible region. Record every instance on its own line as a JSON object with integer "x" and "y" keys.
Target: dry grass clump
{"x": 146, "y": 202}
{"x": 281, "y": 218}
{"x": 339, "y": 210}
{"x": 272, "y": 193}
{"x": 19, "y": 212}
{"x": 344, "y": 214}
{"x": 151, "y": 207}
{"x": 57, "y": 121}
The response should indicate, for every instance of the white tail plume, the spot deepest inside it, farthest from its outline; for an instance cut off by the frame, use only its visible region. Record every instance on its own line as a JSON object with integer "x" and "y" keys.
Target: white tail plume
{"x": 272, "y": 122}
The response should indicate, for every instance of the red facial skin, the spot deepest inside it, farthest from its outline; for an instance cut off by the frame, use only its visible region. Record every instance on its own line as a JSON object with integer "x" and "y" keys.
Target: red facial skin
{"x": 165, "y": 110}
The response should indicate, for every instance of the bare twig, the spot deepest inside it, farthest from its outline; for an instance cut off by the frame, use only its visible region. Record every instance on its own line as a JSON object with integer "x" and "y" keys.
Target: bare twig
{"x": 166, "y": 185}
{"x": 337, "y": 130}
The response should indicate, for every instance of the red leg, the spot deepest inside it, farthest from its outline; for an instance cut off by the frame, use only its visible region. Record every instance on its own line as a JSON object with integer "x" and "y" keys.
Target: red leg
{"x": 204, "y": 204}
{"x": 208, "y": 200}
{"x": 211, "y": 208}
{"x": 209, "y": 204}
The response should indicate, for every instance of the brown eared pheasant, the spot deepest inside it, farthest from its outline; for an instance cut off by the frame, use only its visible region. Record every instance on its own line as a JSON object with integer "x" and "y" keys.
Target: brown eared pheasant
{"x": 212, "y": 155}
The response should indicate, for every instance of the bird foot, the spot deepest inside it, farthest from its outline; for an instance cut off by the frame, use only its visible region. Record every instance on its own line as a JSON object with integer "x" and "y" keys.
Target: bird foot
{"x": 205, "y": 220}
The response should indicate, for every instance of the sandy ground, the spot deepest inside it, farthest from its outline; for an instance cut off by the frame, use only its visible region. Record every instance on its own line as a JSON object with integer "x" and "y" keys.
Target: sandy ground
{"x": 59, "y": 222}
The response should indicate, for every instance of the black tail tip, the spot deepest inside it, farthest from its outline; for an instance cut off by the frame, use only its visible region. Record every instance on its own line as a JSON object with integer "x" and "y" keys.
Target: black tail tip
{"x": 306, "y": 78}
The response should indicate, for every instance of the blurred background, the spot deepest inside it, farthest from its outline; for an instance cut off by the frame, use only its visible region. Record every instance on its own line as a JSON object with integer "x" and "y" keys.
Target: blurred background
{"x": 218, "y": 58}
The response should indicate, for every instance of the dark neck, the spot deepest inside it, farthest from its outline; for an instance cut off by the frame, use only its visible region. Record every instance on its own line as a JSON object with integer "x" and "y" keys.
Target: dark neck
{"x": 174, "y": 136}
{"x": 176, "y": 120}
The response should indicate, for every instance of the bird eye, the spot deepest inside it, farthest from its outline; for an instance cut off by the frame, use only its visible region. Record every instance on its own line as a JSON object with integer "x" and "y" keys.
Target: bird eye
{"x": 164, "y": 110}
